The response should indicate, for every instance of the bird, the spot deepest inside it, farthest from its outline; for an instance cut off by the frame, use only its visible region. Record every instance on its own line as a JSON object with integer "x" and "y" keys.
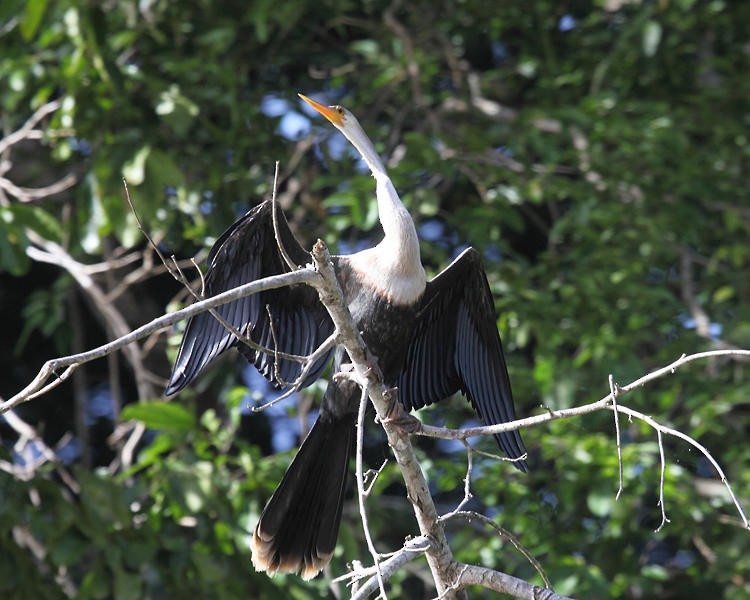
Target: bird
{"x": 428, "y": 338}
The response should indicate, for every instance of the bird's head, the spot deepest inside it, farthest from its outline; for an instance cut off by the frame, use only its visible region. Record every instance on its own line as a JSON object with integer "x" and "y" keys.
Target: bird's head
{"x": 343, "y": 120}
{"x": 341, "y": 117}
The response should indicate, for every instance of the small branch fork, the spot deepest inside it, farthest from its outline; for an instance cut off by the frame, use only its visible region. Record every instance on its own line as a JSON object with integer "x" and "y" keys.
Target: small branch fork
{"x": 609, "y": 402}
{"x": 28, "y": 131}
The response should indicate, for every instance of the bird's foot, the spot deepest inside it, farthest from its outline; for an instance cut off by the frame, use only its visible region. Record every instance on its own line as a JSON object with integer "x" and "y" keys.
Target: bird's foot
{"x": 396, "y": 415}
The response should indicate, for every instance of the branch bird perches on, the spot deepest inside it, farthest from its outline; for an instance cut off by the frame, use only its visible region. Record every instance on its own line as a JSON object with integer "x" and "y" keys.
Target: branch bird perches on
{"x": 429, "y": 339}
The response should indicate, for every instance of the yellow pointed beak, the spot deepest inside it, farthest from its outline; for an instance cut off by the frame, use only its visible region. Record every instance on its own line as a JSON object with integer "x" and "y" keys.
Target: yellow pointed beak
{"x": 329, "y": 112}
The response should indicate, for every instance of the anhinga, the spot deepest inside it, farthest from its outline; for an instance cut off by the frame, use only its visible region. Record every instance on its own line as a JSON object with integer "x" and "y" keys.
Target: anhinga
{"x": 430, "y": 339}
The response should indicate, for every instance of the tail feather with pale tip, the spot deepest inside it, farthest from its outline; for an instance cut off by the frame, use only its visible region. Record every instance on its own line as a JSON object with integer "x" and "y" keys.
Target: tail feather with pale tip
{"x": 298, "y": 528}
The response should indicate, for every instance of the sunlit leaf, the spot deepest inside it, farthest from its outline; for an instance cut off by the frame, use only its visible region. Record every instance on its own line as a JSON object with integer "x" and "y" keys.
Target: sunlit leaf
{"x": 161, "y": 415}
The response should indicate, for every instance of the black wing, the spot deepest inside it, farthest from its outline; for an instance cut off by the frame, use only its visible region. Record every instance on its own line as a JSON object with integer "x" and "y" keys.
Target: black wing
{"x": 245, "y": 252}
{"x": 456, "y": 346}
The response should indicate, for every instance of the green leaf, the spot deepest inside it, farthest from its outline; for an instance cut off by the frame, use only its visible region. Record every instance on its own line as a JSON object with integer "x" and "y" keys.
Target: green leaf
{"x": 600, "y": 502}
{"x": 163, "y": 415}
{"x": 32, "y": 18}
{"x": 127, "y": 585}
{"x": 134, "y": 171}
{"x": 38, "y": 219}
{"x": 13, "y": 243}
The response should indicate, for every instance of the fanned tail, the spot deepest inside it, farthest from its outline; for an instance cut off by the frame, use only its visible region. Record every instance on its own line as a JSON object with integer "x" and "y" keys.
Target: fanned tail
{"x": 298, "y": 528}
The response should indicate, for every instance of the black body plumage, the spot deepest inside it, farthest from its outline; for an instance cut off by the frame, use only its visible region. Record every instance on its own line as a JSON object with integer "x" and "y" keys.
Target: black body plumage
{"x": 444, "y": 342}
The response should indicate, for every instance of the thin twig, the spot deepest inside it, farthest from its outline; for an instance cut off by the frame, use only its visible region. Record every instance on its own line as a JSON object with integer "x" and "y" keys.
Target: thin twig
{"x": 275, "y": 352}
{"x": 277, "y": 235}
{"x": 606, "y": 403}
{"x": 363, "y": 402}
{"x": 374, "y": 474}
{"x": 467, "y": 480}
{"x": 310, "y": 362}
{"x": 471, "y": 515}
{"x": 143, "y": 231}
{"x": 613, "y": 391}
{"x": 664, "y": 519}
{"x": 412, "y": 549}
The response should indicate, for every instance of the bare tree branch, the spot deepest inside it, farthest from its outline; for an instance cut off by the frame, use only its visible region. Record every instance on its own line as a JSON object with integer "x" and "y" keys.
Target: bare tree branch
{"x": 413, "y": 548}
{"x": 606, "y": 403}
{"x": 361, "y": 488}
{"x": 40, "y": 384}
{"x": 470, "y": 515}
{"x": 47, "y": 251}
{"x": 439, "y": 555}
{"x": 614, "y": 391}
{"x": 25, "y": 194}
{"x": 550, "y": 415}
{"x": 23, "y": 132}
{"x": 27, "y": 132}
{"x": 466, "y": 575}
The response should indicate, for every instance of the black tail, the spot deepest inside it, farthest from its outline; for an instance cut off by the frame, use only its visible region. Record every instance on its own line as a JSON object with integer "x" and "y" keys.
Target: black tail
{"x": 299, "y": 526}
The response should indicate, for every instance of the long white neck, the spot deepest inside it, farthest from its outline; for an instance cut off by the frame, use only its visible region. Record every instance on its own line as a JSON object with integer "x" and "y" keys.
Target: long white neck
{"x": 396, "y": 258}
{"x": 400, "y": 240}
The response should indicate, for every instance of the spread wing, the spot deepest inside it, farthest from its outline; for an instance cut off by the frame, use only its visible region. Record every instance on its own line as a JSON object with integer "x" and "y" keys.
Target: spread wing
{"x": 456, "y": 346}
{"x": 245, "y": 252}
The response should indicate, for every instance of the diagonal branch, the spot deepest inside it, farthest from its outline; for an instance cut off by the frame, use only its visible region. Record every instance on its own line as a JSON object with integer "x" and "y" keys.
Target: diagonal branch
{"x": 42, "y": 384}
{"x": 606, "y": 403}
{"x": 23, "y": 132}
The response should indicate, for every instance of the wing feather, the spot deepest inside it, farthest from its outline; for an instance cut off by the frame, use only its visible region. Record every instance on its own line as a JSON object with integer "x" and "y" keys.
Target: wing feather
{"x": 456, "y": 347}
{"x": 245, "y": 252}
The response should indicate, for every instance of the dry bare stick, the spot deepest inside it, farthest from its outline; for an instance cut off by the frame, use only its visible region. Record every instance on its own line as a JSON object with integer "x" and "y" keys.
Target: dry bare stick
{"x": 661, "y": 429}
{"x": 664, "y": 519}
{"x": 439, "y": 556}
{"x": 279, "y": 245}
{"x": 361, "y": 487}
{"x": 275, "y": 351}
{"x": 313, "y": 358}
{"x": 374, "y": 473}
{"x": 23, "y": 132}
{"x": 613, "y": 392}
{"x": 24, "y": 194}
{"x": 467, "y": 480}
{"x": 27, "y": 433}
{"x": 500, "y": 582}
{"x": 606, "y": 403}
{"x": 46, "y": 251}
{"x": 41, "y": 384}
{"x": 412, "y": 549}
{"x": 470, "y": 515}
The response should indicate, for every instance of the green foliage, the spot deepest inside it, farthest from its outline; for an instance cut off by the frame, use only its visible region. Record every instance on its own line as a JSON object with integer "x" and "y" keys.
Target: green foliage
{"x": 587, "y": 149}
{"x": 177, "y": 524}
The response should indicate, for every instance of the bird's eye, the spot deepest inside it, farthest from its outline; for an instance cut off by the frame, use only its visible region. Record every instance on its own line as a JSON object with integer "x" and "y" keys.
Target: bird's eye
{"x": 339, "y": 109}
